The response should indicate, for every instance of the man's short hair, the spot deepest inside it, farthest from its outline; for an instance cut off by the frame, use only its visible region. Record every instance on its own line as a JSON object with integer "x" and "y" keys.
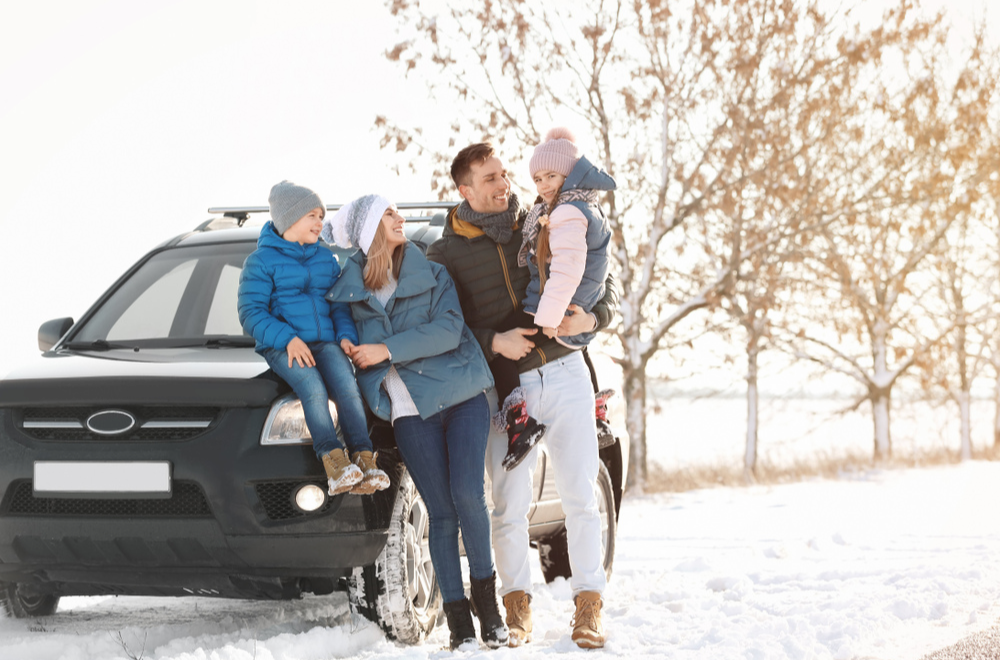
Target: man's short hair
{"x": 474, "y": 154}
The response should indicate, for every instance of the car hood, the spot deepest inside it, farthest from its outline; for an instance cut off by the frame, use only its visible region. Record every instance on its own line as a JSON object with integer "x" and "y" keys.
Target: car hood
{"x": 228, "y": 377}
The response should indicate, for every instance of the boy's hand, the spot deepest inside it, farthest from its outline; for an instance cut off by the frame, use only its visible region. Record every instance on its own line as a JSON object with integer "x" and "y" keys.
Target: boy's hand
{"x": 348, "y": 347}
{"x": 366, "y": 355}
{"x": 299, "y": 352}
{"x": 577, "y": 322}
{"x": 513, "y": 344}
{"x": 550, "y": 332}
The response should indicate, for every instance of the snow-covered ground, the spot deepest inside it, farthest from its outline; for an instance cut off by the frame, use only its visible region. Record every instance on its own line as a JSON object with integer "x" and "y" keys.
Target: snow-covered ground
{"x": 884, "y": 564}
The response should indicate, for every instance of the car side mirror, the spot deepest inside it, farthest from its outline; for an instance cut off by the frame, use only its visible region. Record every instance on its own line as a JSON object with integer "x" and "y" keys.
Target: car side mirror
{"x": 50, "y": 332}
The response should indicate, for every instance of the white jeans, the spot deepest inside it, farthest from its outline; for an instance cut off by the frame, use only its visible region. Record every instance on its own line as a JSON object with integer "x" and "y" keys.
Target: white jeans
{"x": 559, "y": 395}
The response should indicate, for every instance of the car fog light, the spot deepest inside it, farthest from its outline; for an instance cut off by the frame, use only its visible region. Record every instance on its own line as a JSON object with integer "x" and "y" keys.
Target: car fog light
{"x": 310, "y": 497}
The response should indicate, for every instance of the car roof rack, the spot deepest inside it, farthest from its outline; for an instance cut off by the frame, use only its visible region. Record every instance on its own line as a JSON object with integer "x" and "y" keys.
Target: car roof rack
{"x": 242, "y": 213}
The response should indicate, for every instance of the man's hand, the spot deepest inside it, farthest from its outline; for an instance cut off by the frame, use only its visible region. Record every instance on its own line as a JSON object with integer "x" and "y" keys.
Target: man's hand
{"x": 366, "y": 355}
{"x": 513, "y": 344}
{"x": 577, "y": 322}
{"x": 299, "y": 352}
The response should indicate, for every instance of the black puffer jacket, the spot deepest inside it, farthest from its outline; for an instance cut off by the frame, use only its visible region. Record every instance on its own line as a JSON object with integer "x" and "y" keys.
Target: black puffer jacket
{"x": 491, "y": 286}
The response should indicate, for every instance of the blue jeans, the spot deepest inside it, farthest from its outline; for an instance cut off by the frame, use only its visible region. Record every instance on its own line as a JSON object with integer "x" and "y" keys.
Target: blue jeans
{"x": 331, "y": 378}
{"x": 446, "y": 456}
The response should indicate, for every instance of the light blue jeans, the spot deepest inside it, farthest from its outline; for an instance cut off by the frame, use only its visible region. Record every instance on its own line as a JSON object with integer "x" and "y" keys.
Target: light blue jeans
{"x": 446, "y": 456}
{"x": 331, "y": 378}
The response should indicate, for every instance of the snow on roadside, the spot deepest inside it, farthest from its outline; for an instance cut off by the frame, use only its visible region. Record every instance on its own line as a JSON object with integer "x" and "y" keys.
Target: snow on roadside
{"x": 880, "y": 565}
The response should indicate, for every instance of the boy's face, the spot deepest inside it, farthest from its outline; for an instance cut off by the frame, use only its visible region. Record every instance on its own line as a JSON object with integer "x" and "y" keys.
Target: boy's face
{"x": 490, "y": 187}
{"x": 306, "y": 229}
{"x": 548, "y": 183}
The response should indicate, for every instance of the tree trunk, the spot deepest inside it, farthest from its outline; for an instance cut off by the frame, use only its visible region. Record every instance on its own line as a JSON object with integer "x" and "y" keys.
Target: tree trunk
{"x": 964, "y": 404}
{"x": 635, "y": 422}
{"x": 750, "y": 457}
{"x": 880, "y": 415}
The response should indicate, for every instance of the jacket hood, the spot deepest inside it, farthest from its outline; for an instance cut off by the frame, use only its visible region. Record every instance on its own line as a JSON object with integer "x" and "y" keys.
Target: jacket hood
{"x": 269, "y": 238}
{"x": 415, "y": 277}
{"x": 587, "y": 176}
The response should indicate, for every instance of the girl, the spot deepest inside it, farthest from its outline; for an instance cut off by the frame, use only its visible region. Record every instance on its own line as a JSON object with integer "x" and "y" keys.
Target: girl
{"x": 421, "y": 368}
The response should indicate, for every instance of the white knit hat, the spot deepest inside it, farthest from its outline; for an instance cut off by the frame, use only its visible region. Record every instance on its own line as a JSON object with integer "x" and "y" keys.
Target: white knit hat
{"x": 355, "y": 224}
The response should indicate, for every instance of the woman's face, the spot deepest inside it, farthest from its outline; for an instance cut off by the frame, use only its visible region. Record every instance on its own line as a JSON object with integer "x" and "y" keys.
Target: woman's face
{"x": 392, "y": 222}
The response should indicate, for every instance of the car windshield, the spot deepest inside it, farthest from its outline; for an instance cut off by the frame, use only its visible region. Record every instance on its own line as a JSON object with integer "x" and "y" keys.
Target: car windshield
{"x": 178, "y": 297}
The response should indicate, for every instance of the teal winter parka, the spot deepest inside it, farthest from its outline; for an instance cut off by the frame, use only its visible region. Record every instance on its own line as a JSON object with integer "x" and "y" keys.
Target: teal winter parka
{"x": 281, "y": 294}
{"x": 433, "y": 350}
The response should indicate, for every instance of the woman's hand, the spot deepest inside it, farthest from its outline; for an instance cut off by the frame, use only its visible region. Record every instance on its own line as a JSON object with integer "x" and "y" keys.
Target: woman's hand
{"x": 366, "y": 355}
{"x": 299, "y": 352}
{"x": 513, "y": 344}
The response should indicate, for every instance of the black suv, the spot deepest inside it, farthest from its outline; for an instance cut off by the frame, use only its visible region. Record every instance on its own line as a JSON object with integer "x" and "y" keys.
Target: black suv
{"x": 150, "y": 451}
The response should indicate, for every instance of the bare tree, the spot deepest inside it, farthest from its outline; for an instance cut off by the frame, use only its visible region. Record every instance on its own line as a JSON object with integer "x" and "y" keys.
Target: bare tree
{"x": 918, "y": 162}
{"x": 674, "y": 96}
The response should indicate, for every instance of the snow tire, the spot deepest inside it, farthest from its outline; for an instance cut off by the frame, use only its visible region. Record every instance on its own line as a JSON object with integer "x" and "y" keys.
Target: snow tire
{"x": 554, "y": 551}
{"x": 399, "y": 590}
{"x": 17, "y": 605}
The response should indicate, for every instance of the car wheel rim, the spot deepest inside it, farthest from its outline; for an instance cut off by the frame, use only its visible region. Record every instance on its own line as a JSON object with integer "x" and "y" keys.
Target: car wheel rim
{"x": 419, "y": 569}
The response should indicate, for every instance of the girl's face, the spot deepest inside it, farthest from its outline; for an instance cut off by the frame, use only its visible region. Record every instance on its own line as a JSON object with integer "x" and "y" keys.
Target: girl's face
{"x": 548, "y": 183}
{"x": 392, "y": 223}
{"x": 307, "y": 228}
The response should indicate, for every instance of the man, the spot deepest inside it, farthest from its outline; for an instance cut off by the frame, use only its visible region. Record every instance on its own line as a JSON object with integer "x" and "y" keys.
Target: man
{"x": 479, "y": 248}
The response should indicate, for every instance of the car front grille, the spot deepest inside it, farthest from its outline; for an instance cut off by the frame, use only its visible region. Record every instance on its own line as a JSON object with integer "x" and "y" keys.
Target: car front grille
{"x": 152, "y": 423}
{"x": 186, "y": 501}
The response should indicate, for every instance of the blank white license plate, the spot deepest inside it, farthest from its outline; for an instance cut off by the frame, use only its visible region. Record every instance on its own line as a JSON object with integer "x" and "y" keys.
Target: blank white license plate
{"x": 95, "y": 477}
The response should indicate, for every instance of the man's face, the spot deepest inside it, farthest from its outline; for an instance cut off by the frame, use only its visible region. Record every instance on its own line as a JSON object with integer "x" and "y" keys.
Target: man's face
{"x": 490, "y": 187}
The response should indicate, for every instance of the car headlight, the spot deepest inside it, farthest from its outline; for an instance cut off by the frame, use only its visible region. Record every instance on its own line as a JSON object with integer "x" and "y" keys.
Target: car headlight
{"x": 286, "y": 423}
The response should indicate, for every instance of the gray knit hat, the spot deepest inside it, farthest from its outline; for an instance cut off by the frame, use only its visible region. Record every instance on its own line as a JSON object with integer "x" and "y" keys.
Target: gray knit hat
{"x": 290, "y": 202}
{"x": 557, "y": 153}
{"x": 355, "y": 224}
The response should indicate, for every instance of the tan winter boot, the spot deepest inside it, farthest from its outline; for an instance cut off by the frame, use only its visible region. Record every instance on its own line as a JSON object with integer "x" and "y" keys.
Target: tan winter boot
{"x": 341, "y": 474}
{"x": 518, "y": 606}
{"x": 588, "y": 630}
{"x": 373, "y": 478}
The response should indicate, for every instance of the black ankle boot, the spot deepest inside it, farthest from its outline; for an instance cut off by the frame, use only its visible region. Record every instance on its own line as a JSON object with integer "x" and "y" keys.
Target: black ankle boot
{"x": 491, "y": 625}
{"x": 460, "y": 622}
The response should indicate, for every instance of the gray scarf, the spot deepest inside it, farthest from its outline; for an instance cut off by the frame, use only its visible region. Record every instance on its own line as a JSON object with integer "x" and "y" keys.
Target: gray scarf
{"x": 529, "y": 237}
{"x": 498, "y": 226}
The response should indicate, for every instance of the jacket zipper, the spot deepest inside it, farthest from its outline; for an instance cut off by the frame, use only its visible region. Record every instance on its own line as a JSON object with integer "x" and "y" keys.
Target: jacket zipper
{"x": 506, "y": 277}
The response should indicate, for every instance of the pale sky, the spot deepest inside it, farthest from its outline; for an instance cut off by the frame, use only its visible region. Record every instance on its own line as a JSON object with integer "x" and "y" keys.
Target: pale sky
{"x": 121, "y": 122}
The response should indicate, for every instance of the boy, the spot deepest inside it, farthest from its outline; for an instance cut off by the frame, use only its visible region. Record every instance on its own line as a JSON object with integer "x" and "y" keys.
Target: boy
{"x": 303, "y": 337}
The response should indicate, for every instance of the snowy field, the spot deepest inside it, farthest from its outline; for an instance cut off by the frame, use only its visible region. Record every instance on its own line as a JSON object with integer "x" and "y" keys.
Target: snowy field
{"x": 885, "y": 564}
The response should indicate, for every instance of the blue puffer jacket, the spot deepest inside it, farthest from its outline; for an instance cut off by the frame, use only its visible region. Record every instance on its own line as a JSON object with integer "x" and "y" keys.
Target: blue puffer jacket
{"x": 281, "y": 294}
{"x": 433, "y": 350}
{"x": 584, "y": 176}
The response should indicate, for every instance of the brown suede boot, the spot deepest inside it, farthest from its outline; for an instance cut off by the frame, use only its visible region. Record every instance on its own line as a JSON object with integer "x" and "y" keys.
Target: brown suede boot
{"x": 588, "y": 629}
{"x": 341, "y": 474}
{"x": 374, "y": 479}
{"x": 518, "y": 606}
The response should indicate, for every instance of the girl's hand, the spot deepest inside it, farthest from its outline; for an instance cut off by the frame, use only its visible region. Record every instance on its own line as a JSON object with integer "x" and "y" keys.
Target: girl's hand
{"x": 366, "y": 355}
{"x": 550, "y": 332}
{"x": 299, "y": 352}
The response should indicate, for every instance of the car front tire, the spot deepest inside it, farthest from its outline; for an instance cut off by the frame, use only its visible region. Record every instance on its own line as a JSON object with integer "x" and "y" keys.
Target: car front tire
{"x": 553, "y": 550}
{"x": 22, "y": 606}
{"x": 399, "y": 590}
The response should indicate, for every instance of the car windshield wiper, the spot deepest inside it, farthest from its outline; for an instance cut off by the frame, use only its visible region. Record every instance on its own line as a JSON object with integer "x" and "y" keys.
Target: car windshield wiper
{"x": 97, "y": 345}
{"x": 228, "y": 342}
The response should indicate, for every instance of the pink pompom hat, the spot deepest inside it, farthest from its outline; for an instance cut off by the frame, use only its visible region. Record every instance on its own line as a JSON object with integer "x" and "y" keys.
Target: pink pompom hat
{"x": 557, "y": 153}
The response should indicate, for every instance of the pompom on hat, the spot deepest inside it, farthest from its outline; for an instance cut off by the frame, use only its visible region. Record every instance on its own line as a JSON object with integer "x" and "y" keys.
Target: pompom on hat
{"x": 355, "y": 223}
{"x": 289, "y": 202}
{"x": 557, "y": 153}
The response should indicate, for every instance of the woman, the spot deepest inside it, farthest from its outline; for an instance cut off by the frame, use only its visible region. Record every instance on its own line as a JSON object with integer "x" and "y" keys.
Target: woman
{"x": 420, "y": 367}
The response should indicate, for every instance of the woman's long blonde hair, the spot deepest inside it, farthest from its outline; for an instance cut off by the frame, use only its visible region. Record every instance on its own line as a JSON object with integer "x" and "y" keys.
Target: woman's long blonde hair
{"x": 380, "y": 259}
